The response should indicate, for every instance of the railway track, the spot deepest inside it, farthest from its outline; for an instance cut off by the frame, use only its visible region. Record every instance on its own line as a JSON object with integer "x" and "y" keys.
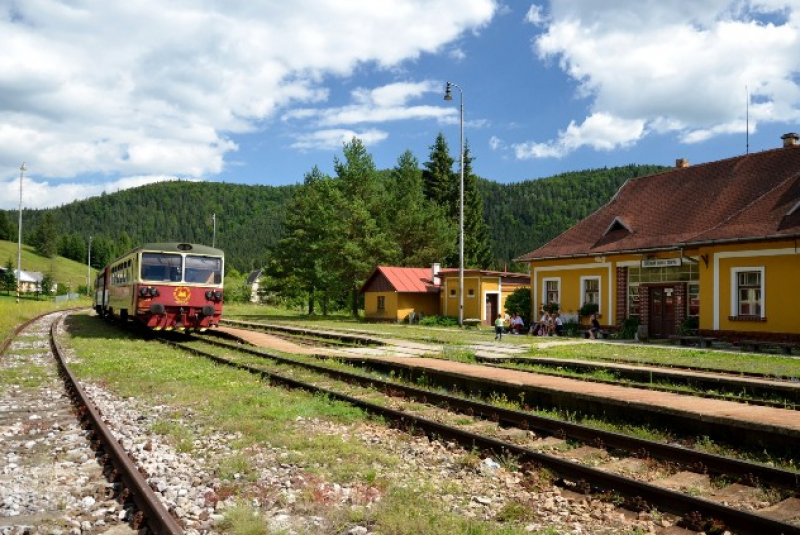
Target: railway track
{"x": 697, "y": 488}
{"x": 64, "y": 469}
{"x": 750, "y": 388}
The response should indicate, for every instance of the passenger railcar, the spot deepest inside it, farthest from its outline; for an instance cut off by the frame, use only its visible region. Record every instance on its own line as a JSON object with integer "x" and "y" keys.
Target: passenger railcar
{"x": 163, "y": 286}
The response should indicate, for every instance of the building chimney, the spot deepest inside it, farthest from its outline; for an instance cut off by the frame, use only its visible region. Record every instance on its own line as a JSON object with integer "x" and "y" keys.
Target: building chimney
{"x": 790, "y": 140}
{"x": 680, "y": 163}
{"x": 434, "y": 272}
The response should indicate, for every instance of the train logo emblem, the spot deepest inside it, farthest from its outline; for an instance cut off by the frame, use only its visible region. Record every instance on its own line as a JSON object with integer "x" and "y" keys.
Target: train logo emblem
{"x": 182, "y": 295}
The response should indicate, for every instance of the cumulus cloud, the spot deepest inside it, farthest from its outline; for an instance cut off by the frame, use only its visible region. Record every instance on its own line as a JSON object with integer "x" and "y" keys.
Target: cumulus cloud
{"x": 38, "y": 193}
{"x": 143, "y": 87}
{"x": 600, "y": 131}
{"x": 336, "y": 137}
{"x": 678, "y": 67}
{"x": 382, "y": 104}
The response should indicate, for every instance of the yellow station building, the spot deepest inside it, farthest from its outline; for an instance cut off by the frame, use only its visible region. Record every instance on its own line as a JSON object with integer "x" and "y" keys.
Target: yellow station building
{"x": 713, "y": 245}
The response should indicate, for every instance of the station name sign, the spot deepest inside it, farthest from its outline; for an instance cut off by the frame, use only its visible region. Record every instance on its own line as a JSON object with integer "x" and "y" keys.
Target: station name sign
{"x": 661, "y": 262}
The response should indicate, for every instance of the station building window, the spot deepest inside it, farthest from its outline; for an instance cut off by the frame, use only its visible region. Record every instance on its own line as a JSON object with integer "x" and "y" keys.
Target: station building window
{"x": 749, "y": 291}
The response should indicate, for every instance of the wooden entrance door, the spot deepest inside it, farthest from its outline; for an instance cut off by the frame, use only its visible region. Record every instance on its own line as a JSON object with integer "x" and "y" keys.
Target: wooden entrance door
{"x": 662, "y": 311}
{"x": 492, "y": 308}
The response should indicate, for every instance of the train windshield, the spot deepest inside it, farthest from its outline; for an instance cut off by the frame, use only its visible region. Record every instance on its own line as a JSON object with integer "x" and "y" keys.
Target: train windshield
{"x": 203, "y": 269}
{"x": 161, "y": 267}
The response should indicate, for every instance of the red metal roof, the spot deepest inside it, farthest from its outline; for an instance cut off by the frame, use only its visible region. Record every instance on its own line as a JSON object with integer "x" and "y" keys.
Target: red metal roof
{"x": 742, "y": 198}
{"x": 404, "y": 279}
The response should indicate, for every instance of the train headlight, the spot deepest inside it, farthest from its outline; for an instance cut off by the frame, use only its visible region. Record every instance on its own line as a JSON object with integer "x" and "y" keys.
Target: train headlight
{"x": 218, "y": 295}
{"x": 143, "y": 291}
{"x": 154, "y": 292}
{"x": 209, "y": 295}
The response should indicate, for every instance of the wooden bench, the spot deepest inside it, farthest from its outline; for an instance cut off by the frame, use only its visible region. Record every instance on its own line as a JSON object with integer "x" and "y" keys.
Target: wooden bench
{"x": 472, "y": 322}
{"x": 702, "y": 341}
{"x": 756, "y": 345}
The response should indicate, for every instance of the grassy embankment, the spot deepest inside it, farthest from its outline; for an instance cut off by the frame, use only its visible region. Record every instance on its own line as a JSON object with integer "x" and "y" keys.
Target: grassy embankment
{"x": 68, "y": 272}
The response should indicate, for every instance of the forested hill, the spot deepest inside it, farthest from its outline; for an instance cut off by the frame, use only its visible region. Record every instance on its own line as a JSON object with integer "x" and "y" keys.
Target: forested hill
{"x": 521, "y": 216}
{"x": 525, "y": 215}
{"x": 249, "y": 219}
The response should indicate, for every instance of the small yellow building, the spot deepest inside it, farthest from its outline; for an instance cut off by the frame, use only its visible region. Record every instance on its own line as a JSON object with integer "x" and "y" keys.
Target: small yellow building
{"x": 485, "y": 292}
{"x": 714, "y": 246}
{"x": 394, "y": 293}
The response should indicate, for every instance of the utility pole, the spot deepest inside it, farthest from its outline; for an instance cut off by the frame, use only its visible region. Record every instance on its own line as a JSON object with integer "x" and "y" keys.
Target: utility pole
{"x": 19, "y": 240}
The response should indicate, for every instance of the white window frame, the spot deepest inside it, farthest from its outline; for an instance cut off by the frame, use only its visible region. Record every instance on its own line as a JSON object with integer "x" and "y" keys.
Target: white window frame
{"x": 735, "y": 290}
{"x": 599, "y": 291}
{"x": 545, "y": 280}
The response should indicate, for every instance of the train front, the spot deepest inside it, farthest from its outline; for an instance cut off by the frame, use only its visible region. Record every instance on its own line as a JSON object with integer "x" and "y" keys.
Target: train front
{"x": 180, "y": 290}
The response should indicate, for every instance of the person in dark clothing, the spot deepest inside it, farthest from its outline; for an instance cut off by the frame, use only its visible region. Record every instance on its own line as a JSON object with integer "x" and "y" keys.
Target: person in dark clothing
{"x": 594, "y": 330}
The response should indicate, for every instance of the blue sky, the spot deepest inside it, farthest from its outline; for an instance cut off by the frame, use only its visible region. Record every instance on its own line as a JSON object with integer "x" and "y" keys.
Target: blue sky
{"x": 103, "y": 96}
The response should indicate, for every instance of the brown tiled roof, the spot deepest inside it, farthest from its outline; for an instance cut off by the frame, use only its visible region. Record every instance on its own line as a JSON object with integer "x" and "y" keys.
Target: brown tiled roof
{"x": 742, "y": 198}
{"x": 404, "y": 279}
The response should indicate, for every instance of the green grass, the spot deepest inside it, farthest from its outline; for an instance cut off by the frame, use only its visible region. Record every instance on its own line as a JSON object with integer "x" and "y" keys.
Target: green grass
{"x": 733, "y": 361}
{"x": 13, "y": 313}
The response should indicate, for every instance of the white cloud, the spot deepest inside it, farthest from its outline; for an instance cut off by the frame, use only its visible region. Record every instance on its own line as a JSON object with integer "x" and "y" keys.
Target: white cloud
{"x": 599, "y": 131}
{"x": 379, "y": 105}
{"x": 336, "y": 137}
{"x": 678, "y": 67}
{"x": 37, "y": 193}
{"x": 145, "y": 87}
{"x": 534, "y": 15}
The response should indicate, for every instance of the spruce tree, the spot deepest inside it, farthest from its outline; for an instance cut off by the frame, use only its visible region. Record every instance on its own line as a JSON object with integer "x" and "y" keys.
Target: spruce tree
{"x": 477, "y": 243}
{"x": 440, "y": 184}
{"x": 423, "y": 231}
{"x": 358, "y": 239}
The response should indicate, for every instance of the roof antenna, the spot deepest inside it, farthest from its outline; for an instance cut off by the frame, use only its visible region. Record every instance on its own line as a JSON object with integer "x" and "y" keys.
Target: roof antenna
{"x": 747, "y": 114}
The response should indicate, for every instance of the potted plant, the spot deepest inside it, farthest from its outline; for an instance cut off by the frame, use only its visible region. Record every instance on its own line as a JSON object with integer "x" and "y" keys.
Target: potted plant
{"x": 551, "y": 308}
{"x": 587, "y": 309}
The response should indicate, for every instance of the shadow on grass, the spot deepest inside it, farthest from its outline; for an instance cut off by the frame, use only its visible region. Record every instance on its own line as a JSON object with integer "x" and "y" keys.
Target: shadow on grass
{"x": 93, "y": 326}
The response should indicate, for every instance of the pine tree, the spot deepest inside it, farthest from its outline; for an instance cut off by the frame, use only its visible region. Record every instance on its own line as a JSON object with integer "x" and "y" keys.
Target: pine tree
{"x": 9, "y": 278}
{"x": 358, "y": 239}
{"x": 46, "y": 236}
{"x": 422, "y": 230}
{"x": 6, "y": 228}
{"x": 440, "y": 184}
{"x": 477, "y": 244}
{"x": 298, "y": 260}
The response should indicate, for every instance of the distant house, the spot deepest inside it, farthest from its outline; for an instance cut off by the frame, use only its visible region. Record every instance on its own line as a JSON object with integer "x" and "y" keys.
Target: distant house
{"x": 29, "y": 281}
{"x": 714, "y": 246}
{"x": 253, "y": 283}
{"x": 393, "y": 293}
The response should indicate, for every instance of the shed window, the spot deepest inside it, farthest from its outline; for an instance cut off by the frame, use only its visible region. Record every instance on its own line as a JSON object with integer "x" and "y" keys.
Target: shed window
{"x": 471, "y": 292}
{"x": 381, "y": 302}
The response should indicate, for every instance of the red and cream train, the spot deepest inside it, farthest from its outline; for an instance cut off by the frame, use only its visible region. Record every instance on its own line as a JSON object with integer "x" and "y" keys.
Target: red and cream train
{"x": 163, "y": 286}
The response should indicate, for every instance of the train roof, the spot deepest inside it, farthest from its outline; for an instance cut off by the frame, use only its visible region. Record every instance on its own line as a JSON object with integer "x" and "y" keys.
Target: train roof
{"x": 177, "y": 247}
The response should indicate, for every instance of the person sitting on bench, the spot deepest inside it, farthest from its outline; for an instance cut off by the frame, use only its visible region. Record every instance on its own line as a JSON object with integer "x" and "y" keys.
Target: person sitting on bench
{"x": 594, "y": 329}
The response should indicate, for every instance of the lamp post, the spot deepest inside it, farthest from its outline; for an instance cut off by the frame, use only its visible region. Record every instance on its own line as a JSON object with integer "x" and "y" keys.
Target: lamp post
{"x": 19, "y": 239}
{"x": 89, "y": 269}
{"x": 448, "y": 96}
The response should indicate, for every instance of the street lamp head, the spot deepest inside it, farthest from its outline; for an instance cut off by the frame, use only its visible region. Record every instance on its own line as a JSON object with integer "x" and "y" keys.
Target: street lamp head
{"x": 22, "y": 167}
{"x": 448, "y": 95}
